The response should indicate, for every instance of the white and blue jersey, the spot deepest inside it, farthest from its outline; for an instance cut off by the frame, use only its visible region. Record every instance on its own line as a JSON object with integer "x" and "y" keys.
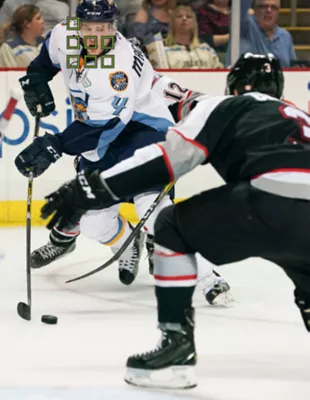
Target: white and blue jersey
{"x": 107, "y": 101}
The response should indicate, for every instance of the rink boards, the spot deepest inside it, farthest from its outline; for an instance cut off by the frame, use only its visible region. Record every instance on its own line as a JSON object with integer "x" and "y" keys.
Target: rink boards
{"x": 14, "y": 186}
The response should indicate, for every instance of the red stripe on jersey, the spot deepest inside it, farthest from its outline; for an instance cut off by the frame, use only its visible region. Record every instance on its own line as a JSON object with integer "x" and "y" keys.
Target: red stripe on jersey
{"x": 200, "y": 146}
{"x": 181, "y": 105}
{"x": 175, "y": 278}
{"x": 8, "y": 112}
{"x": 302, "y": 170}
{"x": 162, "y": 254}
{"x": 167, "y": 162}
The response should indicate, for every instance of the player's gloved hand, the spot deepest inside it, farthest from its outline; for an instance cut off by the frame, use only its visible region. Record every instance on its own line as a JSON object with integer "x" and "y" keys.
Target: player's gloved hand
{"x": 37, "y": 91}
{"x": 304, "y": 305}
{"x": 74, "y": 198}
{"x": 39, "y": 155}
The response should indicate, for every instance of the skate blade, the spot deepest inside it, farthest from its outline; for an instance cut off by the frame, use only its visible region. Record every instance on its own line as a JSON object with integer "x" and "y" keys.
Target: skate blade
{"x": 225, "y": 300}
{"x": 167, "y": 378}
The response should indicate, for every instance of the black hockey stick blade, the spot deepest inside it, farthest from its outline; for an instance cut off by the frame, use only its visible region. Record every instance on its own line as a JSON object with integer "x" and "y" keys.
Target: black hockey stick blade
{"x": 24, "y": 311}
{"x": 130, "y": 238}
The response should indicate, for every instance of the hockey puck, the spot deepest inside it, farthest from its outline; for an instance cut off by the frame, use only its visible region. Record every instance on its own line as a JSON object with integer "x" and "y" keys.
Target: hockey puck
{"x": 49, "y": 319}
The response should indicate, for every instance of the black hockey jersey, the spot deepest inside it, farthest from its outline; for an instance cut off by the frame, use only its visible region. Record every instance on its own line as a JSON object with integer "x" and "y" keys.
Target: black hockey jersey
{"x": 253, "y": 137}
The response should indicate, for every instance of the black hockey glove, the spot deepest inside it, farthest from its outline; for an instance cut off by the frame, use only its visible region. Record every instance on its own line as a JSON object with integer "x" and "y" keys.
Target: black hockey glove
{"x": 304, "y": 306}
{"x": 39, "y": 155}
{"x": 37, "y": 91}
{"x": 74, "y": 198}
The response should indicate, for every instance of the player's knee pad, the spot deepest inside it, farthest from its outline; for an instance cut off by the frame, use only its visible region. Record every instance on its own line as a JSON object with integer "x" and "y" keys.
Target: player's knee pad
{"x": 101, "y": 225}
{"x": 167, "y": 232}
{"x": 143, "y": 203}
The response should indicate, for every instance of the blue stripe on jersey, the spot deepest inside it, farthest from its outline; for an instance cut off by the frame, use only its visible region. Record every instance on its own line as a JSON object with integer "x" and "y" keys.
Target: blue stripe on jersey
{"x": 159, "y": 124}
{"x": 107, "y": 136}
{"x": 21, "y": 51}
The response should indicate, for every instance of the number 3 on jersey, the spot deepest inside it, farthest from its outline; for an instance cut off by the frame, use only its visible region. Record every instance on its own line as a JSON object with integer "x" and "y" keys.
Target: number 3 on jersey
{"x": 119, "y": 103}
{"x": 301, "y": 117}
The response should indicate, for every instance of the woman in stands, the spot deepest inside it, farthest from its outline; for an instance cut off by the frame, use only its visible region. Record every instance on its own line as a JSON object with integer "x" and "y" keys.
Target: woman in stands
{"x": 23, "y": 37}
{"x": 183, "y": 48}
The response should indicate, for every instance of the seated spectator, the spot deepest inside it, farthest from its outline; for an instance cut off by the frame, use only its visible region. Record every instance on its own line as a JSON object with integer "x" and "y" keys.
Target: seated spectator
{"x": 184, "y": 49}
{"x": 53, "y": 12}
{"x": 25, "y": 38}
{"x": 260, "y": 33}
{"x": 153, "y": 18}
{"x": 8, "y": 8}
{"x": 214, "y": 19}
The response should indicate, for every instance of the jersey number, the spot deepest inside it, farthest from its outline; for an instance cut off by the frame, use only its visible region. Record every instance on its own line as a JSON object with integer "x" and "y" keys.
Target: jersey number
{"x": 119, "y": 103}
{"x": 178, "y": 93}
{"x": 303, "y": 119}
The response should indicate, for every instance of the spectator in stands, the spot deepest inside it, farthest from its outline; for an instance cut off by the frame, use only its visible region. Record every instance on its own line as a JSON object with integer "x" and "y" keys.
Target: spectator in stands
{"x": 261, "y": 34}
{"x": 214, "y": 19}
{"x": 153, "y": 18}
{"x": 183, "y": 48}
{"x": 25, "y": 37}
{"x": 8, "y": 8}
{"x": 53, "y": 12}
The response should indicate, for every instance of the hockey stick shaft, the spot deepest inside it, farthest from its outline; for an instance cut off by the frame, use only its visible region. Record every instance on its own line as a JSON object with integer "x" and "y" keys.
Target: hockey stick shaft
{"x": 130, "y": 238}
{"x": 23, "y": 309}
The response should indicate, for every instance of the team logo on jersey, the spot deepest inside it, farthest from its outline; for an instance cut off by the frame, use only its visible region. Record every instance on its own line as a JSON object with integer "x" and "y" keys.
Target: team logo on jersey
{"x": 119, "y": 81}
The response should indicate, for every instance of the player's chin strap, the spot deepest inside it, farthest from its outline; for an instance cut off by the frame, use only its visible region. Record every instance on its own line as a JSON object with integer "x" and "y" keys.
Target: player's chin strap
{"x": 131, "y": 237}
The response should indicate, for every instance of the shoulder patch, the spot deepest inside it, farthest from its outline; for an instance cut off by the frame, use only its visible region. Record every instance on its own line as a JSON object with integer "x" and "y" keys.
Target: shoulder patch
{"x": 119, "y": 81}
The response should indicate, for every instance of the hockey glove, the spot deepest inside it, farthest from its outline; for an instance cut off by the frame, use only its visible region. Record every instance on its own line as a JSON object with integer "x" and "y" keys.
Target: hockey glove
{"x": 39, "y": 155}
{"x": 37, "y": 91}
{"x": 73, "y": 199}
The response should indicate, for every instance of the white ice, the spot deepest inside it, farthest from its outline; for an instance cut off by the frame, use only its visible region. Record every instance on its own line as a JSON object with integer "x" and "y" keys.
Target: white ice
{"x": 257, "y": 350}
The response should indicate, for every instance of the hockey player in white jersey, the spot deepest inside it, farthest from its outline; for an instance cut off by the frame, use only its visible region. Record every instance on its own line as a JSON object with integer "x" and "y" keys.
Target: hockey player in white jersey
{"x": 118, "y": 107}
{"x": 109, "y": 83}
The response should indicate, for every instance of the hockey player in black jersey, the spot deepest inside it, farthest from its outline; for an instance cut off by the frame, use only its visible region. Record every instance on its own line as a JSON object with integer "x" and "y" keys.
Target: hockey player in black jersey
{"x": 260, "y": 146}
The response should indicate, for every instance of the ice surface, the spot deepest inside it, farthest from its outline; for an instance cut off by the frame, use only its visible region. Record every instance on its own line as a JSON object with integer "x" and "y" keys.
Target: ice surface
{"x": 257, "y": 350}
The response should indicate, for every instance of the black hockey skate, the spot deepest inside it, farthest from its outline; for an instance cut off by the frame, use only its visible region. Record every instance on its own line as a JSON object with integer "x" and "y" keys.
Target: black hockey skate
{"x": 49, "y": 253}
{"x": 149, "y": 243}
{"x": 304, "y": 307}
{"x": 171, "y": 364}
{"x": 129, "y": 261}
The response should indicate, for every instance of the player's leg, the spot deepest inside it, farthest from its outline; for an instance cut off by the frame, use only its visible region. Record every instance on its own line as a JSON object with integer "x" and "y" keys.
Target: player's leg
{"x": 109, "y": 228}
{"x": 60, "y": 243}
{"x": 175, "y": 277}
{"x": 232, "y": 223}
{"x": 214, "y": 287}
{"x": 142, "y": 204}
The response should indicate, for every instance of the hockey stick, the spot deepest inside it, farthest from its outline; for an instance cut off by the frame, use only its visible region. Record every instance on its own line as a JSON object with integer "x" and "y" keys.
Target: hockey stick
{"x": 23, "y": 309}
{"x": 130, "y": 238}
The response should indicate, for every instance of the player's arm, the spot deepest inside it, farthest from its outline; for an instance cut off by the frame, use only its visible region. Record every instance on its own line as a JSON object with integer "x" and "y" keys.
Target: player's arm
{"x": 39, "y": 72}
{"x": 184, "y": 149}
{"x": 178, "y": 99}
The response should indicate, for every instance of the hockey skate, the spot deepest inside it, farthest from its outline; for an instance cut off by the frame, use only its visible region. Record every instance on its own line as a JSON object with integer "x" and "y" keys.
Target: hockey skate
{"x": 171, "y": 365}
{"x": 49, "y": 253}
{"x": 217, "y": 291}
{"x": 129, "y": 261}
{"x": 149, "y": 243}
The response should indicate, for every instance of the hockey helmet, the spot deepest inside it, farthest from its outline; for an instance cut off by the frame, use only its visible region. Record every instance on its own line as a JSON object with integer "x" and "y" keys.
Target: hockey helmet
{"x": 256, "y": 73}
{"x": 97, "y": 11}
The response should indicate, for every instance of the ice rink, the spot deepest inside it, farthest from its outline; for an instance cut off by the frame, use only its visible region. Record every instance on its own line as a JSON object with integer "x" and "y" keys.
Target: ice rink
{"x": 257, "y": 350}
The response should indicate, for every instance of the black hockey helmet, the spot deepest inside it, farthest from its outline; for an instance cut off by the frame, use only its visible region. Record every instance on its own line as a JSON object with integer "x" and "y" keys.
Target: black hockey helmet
{"x": 256, "y": 73}
{"x": 97, "y": 11}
